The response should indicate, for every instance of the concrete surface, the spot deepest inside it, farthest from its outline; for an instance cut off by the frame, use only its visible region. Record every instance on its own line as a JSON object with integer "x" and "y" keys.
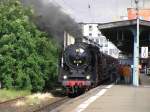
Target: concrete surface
{"x": 122, "y": 98}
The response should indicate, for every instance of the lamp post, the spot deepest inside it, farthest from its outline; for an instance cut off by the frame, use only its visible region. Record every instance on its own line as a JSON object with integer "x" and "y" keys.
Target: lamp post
{"x": 136, "y": 49}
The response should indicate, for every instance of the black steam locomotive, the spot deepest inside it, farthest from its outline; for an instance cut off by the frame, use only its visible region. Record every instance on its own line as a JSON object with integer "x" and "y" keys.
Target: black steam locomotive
{"x": 83, "y": 66}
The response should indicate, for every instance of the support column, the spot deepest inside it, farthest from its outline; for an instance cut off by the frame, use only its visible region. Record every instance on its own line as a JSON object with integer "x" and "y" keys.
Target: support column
{"x": 136, "y": 55}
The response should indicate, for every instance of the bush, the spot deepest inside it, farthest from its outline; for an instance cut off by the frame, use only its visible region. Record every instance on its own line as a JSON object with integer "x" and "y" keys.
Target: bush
{"x": 28, "y": 58}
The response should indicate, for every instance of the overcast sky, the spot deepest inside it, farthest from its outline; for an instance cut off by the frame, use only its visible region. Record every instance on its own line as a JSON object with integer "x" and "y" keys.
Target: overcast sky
{"x": 99, "y": 10}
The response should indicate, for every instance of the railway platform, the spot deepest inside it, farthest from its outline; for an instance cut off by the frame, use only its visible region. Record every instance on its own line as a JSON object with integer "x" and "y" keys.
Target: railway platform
{"x": 121, "y": 98}
{"x": 113, "y": 98}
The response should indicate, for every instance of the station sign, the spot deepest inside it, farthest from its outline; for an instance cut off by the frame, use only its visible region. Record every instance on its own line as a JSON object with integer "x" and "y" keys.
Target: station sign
{"x": 144, "y": 52}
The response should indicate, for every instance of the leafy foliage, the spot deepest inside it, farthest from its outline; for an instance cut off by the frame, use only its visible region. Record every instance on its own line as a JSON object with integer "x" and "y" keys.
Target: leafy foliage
{"x": 28, "y": 58}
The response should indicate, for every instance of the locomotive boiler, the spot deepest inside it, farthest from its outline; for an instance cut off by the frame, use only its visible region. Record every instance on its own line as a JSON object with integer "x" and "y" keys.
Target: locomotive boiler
{"x": 83, "y": 66}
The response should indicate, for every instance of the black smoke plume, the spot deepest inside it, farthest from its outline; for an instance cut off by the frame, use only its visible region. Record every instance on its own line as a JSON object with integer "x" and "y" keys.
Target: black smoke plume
{"x": 50, "y": 18}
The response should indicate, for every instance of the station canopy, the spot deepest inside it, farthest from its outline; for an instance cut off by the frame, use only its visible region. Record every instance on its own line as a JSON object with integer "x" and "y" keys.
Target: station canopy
{"x": 121, "y": 33}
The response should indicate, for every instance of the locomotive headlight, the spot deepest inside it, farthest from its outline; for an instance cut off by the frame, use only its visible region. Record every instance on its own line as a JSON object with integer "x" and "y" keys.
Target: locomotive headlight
{"x": 65, "y": 76}
{"x": 87, "y": 77}
{"x": 74, "y": 61}
{"x": 80, "y": 61}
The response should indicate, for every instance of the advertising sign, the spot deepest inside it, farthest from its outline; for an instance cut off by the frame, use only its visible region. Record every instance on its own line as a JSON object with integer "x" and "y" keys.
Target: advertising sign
{"x": 144, "y": 52}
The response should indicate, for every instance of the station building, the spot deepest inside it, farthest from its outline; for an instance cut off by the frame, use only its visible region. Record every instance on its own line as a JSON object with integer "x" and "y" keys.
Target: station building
{"x": 90, "y": 31}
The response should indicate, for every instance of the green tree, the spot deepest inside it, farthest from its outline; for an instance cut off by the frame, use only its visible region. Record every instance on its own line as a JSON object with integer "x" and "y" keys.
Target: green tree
{"x": 28, "y": 58}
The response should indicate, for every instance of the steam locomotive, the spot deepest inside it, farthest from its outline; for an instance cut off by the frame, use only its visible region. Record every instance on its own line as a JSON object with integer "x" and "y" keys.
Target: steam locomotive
{"x": 83, "y": 66}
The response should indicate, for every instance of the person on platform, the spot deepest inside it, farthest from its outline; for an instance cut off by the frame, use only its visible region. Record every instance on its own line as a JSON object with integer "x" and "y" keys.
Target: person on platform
{"x": 127, "y": 73}
{"x": 120, "y": 73}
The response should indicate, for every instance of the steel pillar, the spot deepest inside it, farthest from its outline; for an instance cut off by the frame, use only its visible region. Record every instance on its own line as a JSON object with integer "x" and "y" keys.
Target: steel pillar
{"x": 136, "y": 33}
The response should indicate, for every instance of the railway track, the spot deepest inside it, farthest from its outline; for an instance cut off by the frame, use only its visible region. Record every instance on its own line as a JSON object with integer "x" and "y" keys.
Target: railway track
{"x": 45, "y": 108}
{"x": 51, "y": 106}
{"x": 11, "y": 100}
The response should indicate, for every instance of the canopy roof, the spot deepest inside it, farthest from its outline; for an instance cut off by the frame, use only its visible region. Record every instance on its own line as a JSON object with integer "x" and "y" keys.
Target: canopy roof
{"x": 121, "y": 33}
